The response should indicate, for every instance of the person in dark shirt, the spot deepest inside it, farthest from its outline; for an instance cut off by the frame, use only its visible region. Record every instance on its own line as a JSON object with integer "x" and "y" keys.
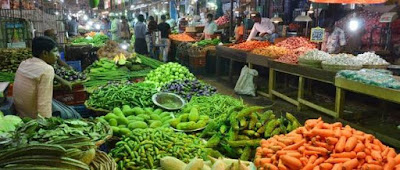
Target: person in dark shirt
{"x": 165, "y": 30}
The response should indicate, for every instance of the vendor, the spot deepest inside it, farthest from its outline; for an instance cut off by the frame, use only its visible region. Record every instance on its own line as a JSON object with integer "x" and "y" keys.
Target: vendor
{"x": 264, "y": 26}
{"x": 335, "y": 39}
{"x": 209, "y": 28}
{"x": 33, "y": 84}
{"x": 140, "y": 36}
{"x": 51, "y": 33}
{"x": 239, "y": 30}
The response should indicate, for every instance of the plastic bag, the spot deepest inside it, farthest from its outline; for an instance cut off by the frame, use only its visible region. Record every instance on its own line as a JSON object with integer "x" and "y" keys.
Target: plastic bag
{"x": 245, "y": 84}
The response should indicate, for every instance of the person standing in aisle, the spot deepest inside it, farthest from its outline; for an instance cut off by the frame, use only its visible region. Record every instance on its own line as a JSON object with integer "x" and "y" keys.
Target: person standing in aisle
{"x": 140, "y": 36}
{"x": 239, "y": 30}
{"x": 114, "y": 28}
{"x": 33, "y": 83}
{"x": 264, "y": 26}
{"x": 123, "y": 29}
{"x": 165, "y": 30}
{"x": 73, "y": 27}
{"x": 151, "y": 28}
{"x": 335, "y": 39}
{"x": 152, "y": 25}
{"x": 209, "y": 28}
{"x": 170, "y": 21}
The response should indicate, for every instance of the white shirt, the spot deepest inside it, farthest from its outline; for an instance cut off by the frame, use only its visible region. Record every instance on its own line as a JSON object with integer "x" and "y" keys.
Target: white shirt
{"x": 333, "y": 41}
{"x": 33, "y": 88}
{"x": 209, "y": 29}
{"x": 266, "y": 26}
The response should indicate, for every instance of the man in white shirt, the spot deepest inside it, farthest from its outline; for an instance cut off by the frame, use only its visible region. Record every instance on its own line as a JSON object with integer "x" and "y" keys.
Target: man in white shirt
{"x": 209, "y": 28}
{"x": 335, "y": 38}
{"x": 264, "y": 26}
{"x": 33, "y": 83}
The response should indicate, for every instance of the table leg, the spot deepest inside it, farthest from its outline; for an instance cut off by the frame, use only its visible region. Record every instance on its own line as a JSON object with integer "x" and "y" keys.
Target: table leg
{"x": 339, "y": 101}
{"x": 300, "y": 92}
{"x": 231, "y": 71}
{"x": 271, "y": 83}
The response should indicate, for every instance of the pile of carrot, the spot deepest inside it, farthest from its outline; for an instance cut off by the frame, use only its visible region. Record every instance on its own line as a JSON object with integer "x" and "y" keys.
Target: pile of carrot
{"x": 323, "y": 146}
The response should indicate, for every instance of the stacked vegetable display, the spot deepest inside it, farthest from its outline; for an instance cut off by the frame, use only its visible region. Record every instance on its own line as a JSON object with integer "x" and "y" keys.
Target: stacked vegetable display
{"x": 250, "y": 45}
{"x": 11, "y": 58}
{"x": 123, "y": 121}
{"x": 374, "y": 77}
{"x": 169, "y": 72}
{"x": 238, "y": 133}
{"x": 189, "y": 88}
{"x": 68, "y": 74}
{"x": 272, "y": 52}
{"x": 131, "y": 94}
{"x": 371, "y": 59}
{"x": 325, "y": 146}
{"x": 297, "y": 46}
{"x": 181, "y": 37}
{"x": 145, "y": 148}
{"x": 98, "y": 40}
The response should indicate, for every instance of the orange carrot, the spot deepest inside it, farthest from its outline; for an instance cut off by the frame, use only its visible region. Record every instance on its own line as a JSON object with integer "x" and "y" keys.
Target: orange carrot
{"x": 266, "y": 151}
{"x": 350, "y": 155}
{"x": 367, "y": 151}
{"x": 351, "y": 164}
{"x": 390, "y": 164}
{"x": 337, "y": 124}
{"x": 291, "y": 162}
{"x": 269, "y": 166}
{"x": 371, "y": 161}
{"x": 319, "y": 161}
{"x": 304, "y": 161}
{"x": 265, "y": 160}
{"x": 321, "y": 144}
{"x": 316, "y": 168}
{"x": 357, "y": 132}
{"x": 359, "y": 147}
{"x": 376, "y": 155}
{"x": 286, "y": 141}
{"x": 346, "y": 133}
{"x": 397, "y": 159}
{"x": 340, "y": 144}
{"x": 376, "y": 147}
{"x": 361, "y": 155}
{"x": 359, "y": 137}
{"x": 337, "y": 166}
{"x": 281, "y": 166}
{"x": 307, "y": 152}
{"x": 391, "y": 153}
{"x": 385, "y": 152}
{"x": 350, "y": 144}
{"x": 327, "y": 126}
{"x": 331, "y": 140}
{"x": 397, "y": 167}
{"x": 337, "y": 132}
{"x": 309, "y": 167}
{"x": 379, "y": 143}
{"x": 371, "y": 167}
{"x": 337, "y": 160}
{"x": 302, "y": 149}
{"x": 361, "y": 162}
{"x": 318, "y": 149}
{"x": 294, "y": 154}
{"x": 326, "y": 166}
{"x": 323, "y": 132}
{"x": 294, "y": 146}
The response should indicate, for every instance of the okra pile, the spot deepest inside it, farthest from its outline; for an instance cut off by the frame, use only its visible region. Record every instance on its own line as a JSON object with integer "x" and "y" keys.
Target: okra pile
{"x": 238, "y": 133}
{"x": 111, "y": 96}
{"x": 145, "y": 147}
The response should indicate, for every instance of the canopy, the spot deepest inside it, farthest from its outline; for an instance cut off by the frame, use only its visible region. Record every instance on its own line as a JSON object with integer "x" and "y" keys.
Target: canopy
{"x": 350, "y": 1}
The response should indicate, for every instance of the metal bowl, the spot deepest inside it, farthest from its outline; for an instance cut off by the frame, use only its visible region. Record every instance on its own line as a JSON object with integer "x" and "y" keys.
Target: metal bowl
{"x": 168, "y": 101}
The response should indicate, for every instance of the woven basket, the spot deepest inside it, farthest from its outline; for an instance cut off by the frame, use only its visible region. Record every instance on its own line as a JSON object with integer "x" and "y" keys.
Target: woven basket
{"x": 339, "y": 67}
{"x": 376, "y": 66}
{"x": 102, "y": 161}
{"x": 310, "y": 63}
{"x": 97, "y": 111}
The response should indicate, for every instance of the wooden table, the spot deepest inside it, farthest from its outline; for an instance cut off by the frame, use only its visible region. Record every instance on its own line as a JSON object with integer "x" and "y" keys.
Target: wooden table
{"x": 233, "y": 55}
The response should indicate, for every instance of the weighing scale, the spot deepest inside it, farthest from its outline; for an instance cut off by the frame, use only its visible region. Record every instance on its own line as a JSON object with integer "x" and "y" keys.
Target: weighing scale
{"x": 386, "y": 32}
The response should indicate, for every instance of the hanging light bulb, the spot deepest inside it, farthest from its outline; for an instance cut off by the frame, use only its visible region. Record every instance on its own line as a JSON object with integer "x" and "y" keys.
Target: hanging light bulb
{"x": 354, "y": 23}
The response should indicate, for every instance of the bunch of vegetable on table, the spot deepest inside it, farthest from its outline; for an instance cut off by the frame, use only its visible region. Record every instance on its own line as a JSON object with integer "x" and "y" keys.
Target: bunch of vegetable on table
{"x": 190, "y": 121}
{"x": 97, "y": 41}
{"x": 172, "y": 163}
{"x": 239, "y": 132}
{"x": 204, "y": 43}
{"x": 68, "y": 74}
{"x": 131, "y": 94}
{"x": 320, "y": 145}
{"x": 123, "y": 121}
{"x": 250, "y": 45}
{"x": 169, "y": 72}
{"x": 8, "y": 123}
{"x": 189, "y": 88}
{"x": 145, "y": 148}
{"x": 181, "y": 37}
{"x": 11, "y": 58}
{"x": 271, "y": 51}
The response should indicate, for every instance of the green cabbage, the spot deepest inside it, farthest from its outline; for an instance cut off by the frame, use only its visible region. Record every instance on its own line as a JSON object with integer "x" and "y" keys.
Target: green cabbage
{"x": 8, "y": 123}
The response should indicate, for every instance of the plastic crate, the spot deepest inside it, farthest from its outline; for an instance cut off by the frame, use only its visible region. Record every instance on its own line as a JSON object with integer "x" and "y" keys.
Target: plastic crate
{"x": 76, "y": 65}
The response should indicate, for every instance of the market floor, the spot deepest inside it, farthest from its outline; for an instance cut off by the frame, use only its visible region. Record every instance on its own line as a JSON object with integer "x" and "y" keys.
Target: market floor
{"x": 280, "y": 107}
